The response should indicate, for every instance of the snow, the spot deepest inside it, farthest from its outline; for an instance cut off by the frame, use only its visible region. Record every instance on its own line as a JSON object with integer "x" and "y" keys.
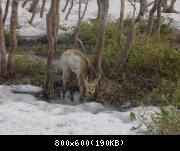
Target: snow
{"x": 23, "y": 114}
{"x": 39, "y": 24}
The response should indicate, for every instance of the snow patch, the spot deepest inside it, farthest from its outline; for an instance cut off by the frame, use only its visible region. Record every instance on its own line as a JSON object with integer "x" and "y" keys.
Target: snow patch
{"x": 23, "y": 114}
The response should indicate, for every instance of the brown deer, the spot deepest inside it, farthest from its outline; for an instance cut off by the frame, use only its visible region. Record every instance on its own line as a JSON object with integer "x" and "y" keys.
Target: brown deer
{"x": 74, "y": 61}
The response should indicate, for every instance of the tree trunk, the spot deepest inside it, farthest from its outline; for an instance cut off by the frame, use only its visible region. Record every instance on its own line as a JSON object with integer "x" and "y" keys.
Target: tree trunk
{"x": 67, "y": 2}
{"x": 99, "y": 9}
{"x": 123, "y": 56}
{"x": 42, "y": 8}
{"x": 52, "y": 23}
{"x": 120, "y": 25}
{"x": 78, "y": 26}
{"x": 6, "y": 11}
{"x": 2, "y": 47}
{"x": 158, "y": 25}
{"x": 13, "y": 38}
{"x": 165, "y": 5}
{"x": 33, "y": 8}
{"x": 24, "y": 3}
{"x": 171, "y": 7}
{"x": 151, "y": 18}
{"x": 101, "y": 35}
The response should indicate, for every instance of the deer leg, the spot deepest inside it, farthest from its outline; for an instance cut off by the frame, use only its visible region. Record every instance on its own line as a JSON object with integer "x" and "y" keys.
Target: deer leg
{"x": 82, "y": 90}
{"x": 65, "y": 74}
{"x": 71, "y": 86}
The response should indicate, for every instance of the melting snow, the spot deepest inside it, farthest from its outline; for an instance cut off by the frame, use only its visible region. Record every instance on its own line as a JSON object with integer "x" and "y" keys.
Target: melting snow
{"x": 24, "y": 114}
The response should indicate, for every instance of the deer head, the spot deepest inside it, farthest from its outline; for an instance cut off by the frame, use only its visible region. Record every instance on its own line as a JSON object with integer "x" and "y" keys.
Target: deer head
{"x": 90, "y": 86}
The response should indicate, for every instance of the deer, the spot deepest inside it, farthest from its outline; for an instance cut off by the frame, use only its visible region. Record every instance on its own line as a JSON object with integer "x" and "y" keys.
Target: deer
{"x": 74, "y": 61}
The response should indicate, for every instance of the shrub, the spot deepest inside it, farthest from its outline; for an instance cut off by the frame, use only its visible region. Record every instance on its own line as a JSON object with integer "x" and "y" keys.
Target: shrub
{"x": 27, "y": 67}
{"x": 167, "y": 122}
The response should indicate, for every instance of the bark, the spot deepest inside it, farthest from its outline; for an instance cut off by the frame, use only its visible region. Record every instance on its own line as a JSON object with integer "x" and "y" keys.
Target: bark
{"x": 151, "y": 18}
{"x": 120, "y": 24}
{"x": 2, "y": 47}
{"x": 13, "y": 38}
{"x": 42, "y": 8}
{"x": 6, "y": 11}
{"x": 52, "y": 23}
{"x": 101, "y": 35}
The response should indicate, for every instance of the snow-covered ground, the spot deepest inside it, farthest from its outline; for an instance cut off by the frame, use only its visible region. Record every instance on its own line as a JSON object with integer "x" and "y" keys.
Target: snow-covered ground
{"x": 24, "y": 114}
{"x": 39, "y": 24}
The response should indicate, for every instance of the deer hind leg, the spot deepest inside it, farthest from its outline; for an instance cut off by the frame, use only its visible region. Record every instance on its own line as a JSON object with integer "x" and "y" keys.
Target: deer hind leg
{"x": 65, "y": 75}
{"x": 81, "y": 89}
{"x": 71, "y": 85}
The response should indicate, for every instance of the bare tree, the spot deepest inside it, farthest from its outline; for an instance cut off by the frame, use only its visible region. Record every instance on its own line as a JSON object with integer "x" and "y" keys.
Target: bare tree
{"x": 33, "y": 7}
{"x": 122, "y": 57}
{"x": 52, "y": 23}
{"x": 101, "y": 35}
{"x": 2, "y": 46}
{"x": 6, "y": 11}
{"x": 151, "y": 18}
{"x": 120, "y": 24}
{"x": 13, "y": 38}
{"x": 42, "y": 8}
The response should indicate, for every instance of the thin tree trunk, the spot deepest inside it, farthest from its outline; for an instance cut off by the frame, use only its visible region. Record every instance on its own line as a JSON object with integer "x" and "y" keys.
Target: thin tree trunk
{"x": 13, "y": 38}
{"x": 151, "y": 18}
{"x": 2, "y": 46}
{"x": 101, "y": 35}
{"x": 34, "y": 5}
{"x": 99, "y": 9}
{"x": 52, "y": 23}
{"x": 72, "y": 3}
{"x": 123, "y": 56}
{"x": 165, "y": 5}
{"x": 24, "y": 3}
{"x": 171, "y": 7}
{"x": 120, "y": 24}
{"x": 6, "y": 11}
{"x": 78, "y": 26}
{"x": 158, "y": 25}
{"x": 42, "y": 8}
{"x": 64, "y": 9}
